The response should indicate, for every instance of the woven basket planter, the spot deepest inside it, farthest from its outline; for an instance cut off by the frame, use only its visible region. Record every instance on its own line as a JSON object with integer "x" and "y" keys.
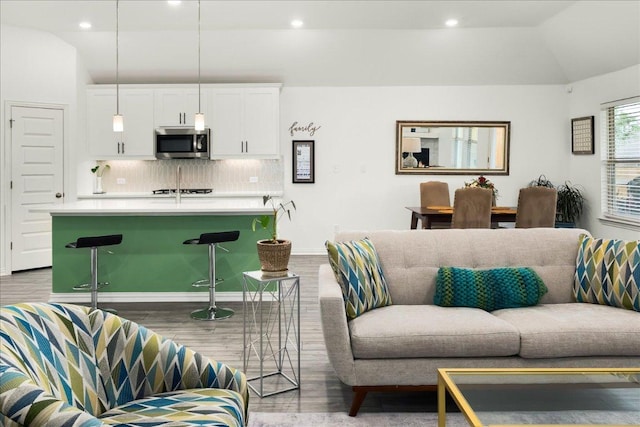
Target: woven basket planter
{"x": 274, "y": 257}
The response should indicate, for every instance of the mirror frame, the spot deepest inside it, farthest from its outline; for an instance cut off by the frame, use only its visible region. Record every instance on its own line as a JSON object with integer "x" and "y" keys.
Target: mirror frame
{"x": 450, "y": 171}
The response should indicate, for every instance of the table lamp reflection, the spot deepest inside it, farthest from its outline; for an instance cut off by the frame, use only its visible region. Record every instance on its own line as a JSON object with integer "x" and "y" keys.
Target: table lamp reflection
{"x": 410, "y": 145}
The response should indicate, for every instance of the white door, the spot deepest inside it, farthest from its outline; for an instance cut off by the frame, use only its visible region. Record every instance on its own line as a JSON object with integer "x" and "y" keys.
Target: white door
{"x": 37, "y": 180}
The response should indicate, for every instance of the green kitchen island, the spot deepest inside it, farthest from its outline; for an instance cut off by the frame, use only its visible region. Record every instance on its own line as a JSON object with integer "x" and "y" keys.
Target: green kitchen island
{"x": 152, "y": 263}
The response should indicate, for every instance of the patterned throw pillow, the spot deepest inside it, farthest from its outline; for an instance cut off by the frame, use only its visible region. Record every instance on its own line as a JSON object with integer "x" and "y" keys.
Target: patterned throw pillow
{"x": 489, "y": 290}
{"x": 358, "y": 271}
{"x": 608, "y": 272}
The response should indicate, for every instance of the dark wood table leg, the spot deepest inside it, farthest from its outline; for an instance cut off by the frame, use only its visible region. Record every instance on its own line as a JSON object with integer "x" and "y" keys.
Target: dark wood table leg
{"x": 414, "y": 220}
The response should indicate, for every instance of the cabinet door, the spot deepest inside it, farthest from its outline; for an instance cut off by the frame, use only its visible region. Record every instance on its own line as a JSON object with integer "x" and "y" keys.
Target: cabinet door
{"x": 244, "y": 122}
{"x": 260, "y": 117}
{"x": 136, "y": 106}
{"x": 177, "y": 107}
{"x": 102, "y": 140}
{"x": 226, "y": 122}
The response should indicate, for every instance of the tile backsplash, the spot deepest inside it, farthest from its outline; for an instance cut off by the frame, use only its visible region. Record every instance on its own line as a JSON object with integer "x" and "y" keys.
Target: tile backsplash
{"x": 233, "y": 175}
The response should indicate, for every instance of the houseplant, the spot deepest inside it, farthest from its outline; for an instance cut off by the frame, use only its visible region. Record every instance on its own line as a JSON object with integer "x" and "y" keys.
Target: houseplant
{"x": 98, "y": 171}
{"x": 273, "y": 253}
{"x": 570, "y": 201}
{"x": 570, "y": 205}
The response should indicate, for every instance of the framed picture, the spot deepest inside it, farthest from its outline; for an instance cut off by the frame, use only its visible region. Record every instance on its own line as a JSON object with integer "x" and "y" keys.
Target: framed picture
{"x": 582, "y": 135}
{"x": 303, "y": 162}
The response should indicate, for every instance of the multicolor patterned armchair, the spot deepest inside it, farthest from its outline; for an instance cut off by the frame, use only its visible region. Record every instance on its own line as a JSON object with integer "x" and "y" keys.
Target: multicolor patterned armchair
{"x": 66, "y": 365}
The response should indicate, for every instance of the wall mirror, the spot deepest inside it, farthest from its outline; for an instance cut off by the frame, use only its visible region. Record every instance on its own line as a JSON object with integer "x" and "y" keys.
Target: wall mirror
{"x": 452, "y": 148}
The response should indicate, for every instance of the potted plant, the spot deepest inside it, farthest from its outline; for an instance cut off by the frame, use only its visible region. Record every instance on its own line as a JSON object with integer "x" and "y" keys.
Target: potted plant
{"x": 273, "y": 253}
{"x": 570, "y": 205}
{"x": 99, "y": 170}
{"x": 570, "y": 201}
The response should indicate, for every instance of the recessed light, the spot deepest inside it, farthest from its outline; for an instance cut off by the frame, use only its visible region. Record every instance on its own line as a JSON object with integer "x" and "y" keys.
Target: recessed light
{"x": 85, "y": 25}
{"x": 451, "y": 22}
{"x": 174, "y": 2}
{"x": 297, "y": 23}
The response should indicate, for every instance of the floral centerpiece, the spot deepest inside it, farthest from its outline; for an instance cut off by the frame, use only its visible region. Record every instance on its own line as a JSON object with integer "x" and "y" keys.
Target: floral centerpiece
{"x": 483, "y": 182}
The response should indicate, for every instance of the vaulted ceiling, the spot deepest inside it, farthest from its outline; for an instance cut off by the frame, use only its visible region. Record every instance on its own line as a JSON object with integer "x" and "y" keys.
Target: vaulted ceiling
{"x": 344, "y": 43}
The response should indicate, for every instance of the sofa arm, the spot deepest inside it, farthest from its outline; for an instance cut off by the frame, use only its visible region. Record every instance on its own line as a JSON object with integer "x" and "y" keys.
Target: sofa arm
{"x": 23, "y": 402}
{"x": 334, "y": 325}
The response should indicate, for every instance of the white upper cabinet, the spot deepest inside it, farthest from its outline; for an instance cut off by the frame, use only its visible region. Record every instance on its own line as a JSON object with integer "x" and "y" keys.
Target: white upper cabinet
{"x": 244, "y": 122}
{"x": 136, "y": 107}
{"x": 244, "y": 119}
{"x": 177, "y": 107}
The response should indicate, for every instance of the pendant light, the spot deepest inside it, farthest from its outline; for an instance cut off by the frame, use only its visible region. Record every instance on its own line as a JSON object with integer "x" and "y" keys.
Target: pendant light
{"x": 118, "y": 124}
{"x": 199, "y": 118}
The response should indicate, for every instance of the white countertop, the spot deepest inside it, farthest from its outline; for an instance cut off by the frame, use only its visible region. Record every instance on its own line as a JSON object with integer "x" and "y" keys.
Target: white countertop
{"x": 159, "y": 206}
{"x": 150, "y": 195}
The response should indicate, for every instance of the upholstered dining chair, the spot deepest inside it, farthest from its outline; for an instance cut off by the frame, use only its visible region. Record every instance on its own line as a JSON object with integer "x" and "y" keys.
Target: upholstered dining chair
{"x": 472, "y": 208}
{"x": 435, "y": 193}
{"x": 536, "y": 207}
{"x": 68, "y": 365}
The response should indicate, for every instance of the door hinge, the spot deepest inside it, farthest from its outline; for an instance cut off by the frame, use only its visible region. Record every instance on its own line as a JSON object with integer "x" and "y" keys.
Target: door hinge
{"x": 11, "y": 123}
{"x": 11, "y": 246}
{"x": 10, "y": 185}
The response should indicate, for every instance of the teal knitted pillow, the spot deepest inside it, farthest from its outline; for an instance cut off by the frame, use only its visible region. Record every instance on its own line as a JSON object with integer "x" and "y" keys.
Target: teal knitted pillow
{"x": 489, "y": 290}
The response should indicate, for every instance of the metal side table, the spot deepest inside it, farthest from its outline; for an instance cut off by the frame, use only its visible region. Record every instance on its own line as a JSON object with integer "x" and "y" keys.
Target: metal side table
{"x": 271, "y": 332}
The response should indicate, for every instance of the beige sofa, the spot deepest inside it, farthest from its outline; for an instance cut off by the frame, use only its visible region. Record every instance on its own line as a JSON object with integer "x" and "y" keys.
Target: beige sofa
{"x": 400, "y": 347}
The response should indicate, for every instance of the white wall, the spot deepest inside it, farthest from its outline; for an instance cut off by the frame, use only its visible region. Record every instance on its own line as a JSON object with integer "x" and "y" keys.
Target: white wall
{"x": 356, "y": 186}
{"x": 38, "y": 68}
{"x": 585, "y": 100}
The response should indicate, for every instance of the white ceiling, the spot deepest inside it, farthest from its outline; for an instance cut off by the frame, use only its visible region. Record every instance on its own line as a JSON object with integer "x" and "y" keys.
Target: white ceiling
{"x": 350, "y": 43}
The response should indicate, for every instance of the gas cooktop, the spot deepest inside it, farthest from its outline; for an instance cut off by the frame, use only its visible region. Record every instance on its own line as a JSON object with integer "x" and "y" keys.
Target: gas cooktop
{"x": 183, "y": 191}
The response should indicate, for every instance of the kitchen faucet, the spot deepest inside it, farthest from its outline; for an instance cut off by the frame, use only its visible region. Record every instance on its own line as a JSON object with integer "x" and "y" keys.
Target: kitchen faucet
{"x": 178, "y": 176}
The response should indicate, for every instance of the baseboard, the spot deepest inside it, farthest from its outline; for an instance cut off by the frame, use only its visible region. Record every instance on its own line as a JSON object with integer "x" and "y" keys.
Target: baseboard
{"x": 115, "y": 297}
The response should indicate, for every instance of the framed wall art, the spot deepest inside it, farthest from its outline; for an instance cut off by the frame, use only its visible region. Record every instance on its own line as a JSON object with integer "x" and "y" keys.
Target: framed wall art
{"x": 303, "y": 162}
{"x": 582, "y": 135}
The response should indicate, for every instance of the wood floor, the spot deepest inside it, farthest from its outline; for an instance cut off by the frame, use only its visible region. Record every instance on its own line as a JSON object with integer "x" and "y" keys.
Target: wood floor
{"x": 320, "y": 391}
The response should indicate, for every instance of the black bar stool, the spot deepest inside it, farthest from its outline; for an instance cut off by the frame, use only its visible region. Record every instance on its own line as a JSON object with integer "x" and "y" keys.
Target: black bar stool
{"x": 212, "y": 239}
{"x": 94, "y": 242}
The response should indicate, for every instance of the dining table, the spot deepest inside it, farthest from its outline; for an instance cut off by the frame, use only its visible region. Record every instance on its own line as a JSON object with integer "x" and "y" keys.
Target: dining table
{"x": 437, "y": 214}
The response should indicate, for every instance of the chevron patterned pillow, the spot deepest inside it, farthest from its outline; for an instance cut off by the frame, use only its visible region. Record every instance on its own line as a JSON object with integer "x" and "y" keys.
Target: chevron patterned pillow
{"x": 358, "y": 271}
{"x": 491, "y": 289}
{"x": 608, "y": 272}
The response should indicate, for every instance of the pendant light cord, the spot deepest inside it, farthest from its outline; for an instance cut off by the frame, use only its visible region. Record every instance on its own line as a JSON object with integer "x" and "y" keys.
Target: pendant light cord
{"x": 117, "y": 57}
{"x": 199, "y": 109}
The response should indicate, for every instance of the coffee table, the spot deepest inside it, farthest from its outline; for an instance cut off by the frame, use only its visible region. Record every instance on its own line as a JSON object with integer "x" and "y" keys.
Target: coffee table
{"x": 554, "y": 396}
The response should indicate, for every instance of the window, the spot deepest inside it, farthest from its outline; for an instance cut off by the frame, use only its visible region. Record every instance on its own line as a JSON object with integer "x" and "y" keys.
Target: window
{"x": 620, "y": 148}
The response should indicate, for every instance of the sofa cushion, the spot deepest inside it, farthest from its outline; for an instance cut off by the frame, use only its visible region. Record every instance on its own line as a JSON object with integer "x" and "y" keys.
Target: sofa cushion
{"x": 574, "y": 329}
{"x": 195, "y": 407}
{"x": 608, "y": 272}
{"x": 409, "y": 331}
{"x": 359, "y": 273}
{"x": 489, "y": 289}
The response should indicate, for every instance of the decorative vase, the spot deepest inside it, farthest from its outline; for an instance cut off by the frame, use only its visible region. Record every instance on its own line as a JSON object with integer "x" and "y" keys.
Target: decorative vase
{"x": 274, "y": 257}
{"x": 98, "y": 185}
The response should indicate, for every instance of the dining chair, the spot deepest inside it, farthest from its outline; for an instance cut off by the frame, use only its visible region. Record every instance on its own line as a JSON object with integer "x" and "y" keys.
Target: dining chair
{"x": 435, "y": 193}
{"x": 536, "y": 207}
{"x": 472, "y": 208}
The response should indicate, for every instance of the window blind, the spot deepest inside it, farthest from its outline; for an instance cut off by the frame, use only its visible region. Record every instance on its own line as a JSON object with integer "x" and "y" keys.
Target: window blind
{"x": 620, "y": 148}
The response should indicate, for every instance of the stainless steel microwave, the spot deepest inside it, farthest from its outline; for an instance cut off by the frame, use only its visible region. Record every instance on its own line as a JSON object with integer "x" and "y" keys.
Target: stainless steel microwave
{"x": 182, "y": 143}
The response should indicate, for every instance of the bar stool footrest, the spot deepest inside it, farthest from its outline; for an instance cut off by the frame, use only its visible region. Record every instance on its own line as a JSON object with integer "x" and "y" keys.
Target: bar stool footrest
{"x": 212, "y": 313}
{"x": 205, "y": 283}
{"x": 87, "y": 286}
